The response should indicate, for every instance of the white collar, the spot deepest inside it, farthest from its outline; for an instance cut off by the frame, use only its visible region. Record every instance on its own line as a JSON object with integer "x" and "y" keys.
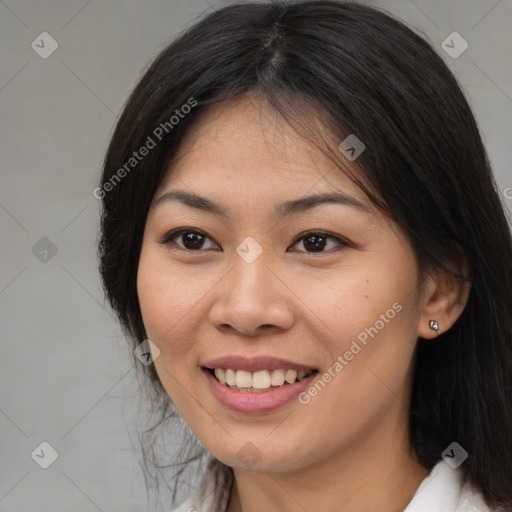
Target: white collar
{"x": 441, "y": 491}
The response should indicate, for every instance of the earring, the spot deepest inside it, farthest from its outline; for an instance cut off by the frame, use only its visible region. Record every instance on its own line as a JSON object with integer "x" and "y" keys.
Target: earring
{"x": 434, "y": 325}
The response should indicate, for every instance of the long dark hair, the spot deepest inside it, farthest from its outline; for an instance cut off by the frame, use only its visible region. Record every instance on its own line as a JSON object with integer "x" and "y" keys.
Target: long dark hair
{"x": 355, "y": 70}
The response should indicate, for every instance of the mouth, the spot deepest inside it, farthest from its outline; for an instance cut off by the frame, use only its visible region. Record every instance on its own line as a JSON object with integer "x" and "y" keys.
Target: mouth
{"x": 261, "y": 381}
{"x": 256, "y": 385}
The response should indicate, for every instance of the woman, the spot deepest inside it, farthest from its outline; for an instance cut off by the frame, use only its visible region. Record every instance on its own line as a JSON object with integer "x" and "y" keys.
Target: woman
{"x": 299, "y": 213}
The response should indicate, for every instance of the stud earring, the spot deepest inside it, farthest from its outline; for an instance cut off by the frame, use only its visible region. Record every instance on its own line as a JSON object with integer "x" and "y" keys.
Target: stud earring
{"x": 434, "y": 325}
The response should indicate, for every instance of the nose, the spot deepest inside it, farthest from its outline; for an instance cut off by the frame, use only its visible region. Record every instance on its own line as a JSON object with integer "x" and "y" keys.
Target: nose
{"x": 252, "y": 299}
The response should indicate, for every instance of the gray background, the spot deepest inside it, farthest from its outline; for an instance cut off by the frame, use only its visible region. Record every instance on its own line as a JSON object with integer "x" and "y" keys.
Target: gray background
{"x": 66, "y": 376}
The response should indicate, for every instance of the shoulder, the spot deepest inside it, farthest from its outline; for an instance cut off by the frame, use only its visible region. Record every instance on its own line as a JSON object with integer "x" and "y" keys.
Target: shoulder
{"x": 444, "y": 490}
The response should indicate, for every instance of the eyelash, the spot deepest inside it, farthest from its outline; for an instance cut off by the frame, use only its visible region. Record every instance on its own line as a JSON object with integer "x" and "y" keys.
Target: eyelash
{"x": 175, "y": 233}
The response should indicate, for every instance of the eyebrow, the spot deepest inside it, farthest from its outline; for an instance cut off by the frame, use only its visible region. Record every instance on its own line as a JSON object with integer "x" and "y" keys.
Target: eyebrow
{"x": 287, "y": 208}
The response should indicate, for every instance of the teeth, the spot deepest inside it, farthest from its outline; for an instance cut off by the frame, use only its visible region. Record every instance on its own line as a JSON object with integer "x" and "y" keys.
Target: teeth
{"x": 261, "y": 379}
{"x": 277, "y": 378}
{"x": 243, "y": 380}
{"x": 231, "y": 377}
{"x": 301, "y": 375}
{"x": 290, "y": 376}
{"x": 220, "y": 373}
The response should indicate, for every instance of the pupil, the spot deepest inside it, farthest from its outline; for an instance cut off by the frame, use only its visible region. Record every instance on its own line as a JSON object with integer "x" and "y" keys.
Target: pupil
{"x": 316, "y": 246}
{"x": 195, "y": 240}
{"x": 192, "y": 240}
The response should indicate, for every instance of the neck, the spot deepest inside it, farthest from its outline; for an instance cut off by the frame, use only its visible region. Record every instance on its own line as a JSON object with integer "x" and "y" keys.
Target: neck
{"x": 376, "y": 469}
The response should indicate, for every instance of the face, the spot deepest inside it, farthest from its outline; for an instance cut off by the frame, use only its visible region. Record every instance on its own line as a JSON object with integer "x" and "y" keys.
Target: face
{"x": 258, "y": 284}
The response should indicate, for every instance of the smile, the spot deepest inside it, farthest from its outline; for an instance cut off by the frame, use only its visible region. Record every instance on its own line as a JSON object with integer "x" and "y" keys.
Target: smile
{"x": 259, "y": 381}
{"x": 259, "y": 391}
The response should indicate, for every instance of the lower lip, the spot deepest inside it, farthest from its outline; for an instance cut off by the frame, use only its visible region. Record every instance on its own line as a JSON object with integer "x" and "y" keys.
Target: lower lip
{"x": 256, "y": 403}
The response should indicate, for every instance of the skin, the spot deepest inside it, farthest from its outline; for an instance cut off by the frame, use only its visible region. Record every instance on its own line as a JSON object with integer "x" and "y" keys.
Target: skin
{"x": 348, "y": 448}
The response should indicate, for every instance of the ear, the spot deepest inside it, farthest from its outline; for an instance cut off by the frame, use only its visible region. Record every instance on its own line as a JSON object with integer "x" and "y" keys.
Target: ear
{"x": 444, "y": 298}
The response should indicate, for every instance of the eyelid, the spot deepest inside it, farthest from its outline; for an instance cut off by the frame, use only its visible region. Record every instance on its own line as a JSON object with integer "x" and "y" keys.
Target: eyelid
{"x": 171, "y": 235}
{"x": 341, "y": 241}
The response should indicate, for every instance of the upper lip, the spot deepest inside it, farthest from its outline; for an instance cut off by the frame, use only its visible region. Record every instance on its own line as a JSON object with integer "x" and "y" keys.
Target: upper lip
{"x": 254, "y": 364}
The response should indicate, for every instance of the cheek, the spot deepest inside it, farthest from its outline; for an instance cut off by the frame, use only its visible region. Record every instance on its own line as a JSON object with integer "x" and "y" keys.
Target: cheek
{"x": 164, "y": 314}
{"x": 372, "y": 292}
{"x": 372, "y": 317}
{"x": 161, "y": 312}
{"x": 167, "y": 296}
{"x": 170, "y": 302}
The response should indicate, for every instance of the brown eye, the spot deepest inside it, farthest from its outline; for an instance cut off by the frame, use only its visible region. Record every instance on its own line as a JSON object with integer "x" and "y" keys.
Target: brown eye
{"x": 315, "y": 242}
{"x": 187, "y": 239}
{"x": 318, "y": 241}
{"x": 192, "y": 240}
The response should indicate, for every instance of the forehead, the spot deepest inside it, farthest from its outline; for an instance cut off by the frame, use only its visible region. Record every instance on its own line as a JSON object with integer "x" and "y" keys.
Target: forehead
{"x": 246, "y": 145}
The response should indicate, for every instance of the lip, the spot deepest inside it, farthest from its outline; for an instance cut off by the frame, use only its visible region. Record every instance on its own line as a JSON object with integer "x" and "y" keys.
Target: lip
{"x": 256, "y": 403}
{"x": 254, "y": 364}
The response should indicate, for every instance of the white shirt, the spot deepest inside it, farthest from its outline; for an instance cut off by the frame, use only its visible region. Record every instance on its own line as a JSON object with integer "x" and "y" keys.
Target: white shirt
{"x": 440, "y": 491}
